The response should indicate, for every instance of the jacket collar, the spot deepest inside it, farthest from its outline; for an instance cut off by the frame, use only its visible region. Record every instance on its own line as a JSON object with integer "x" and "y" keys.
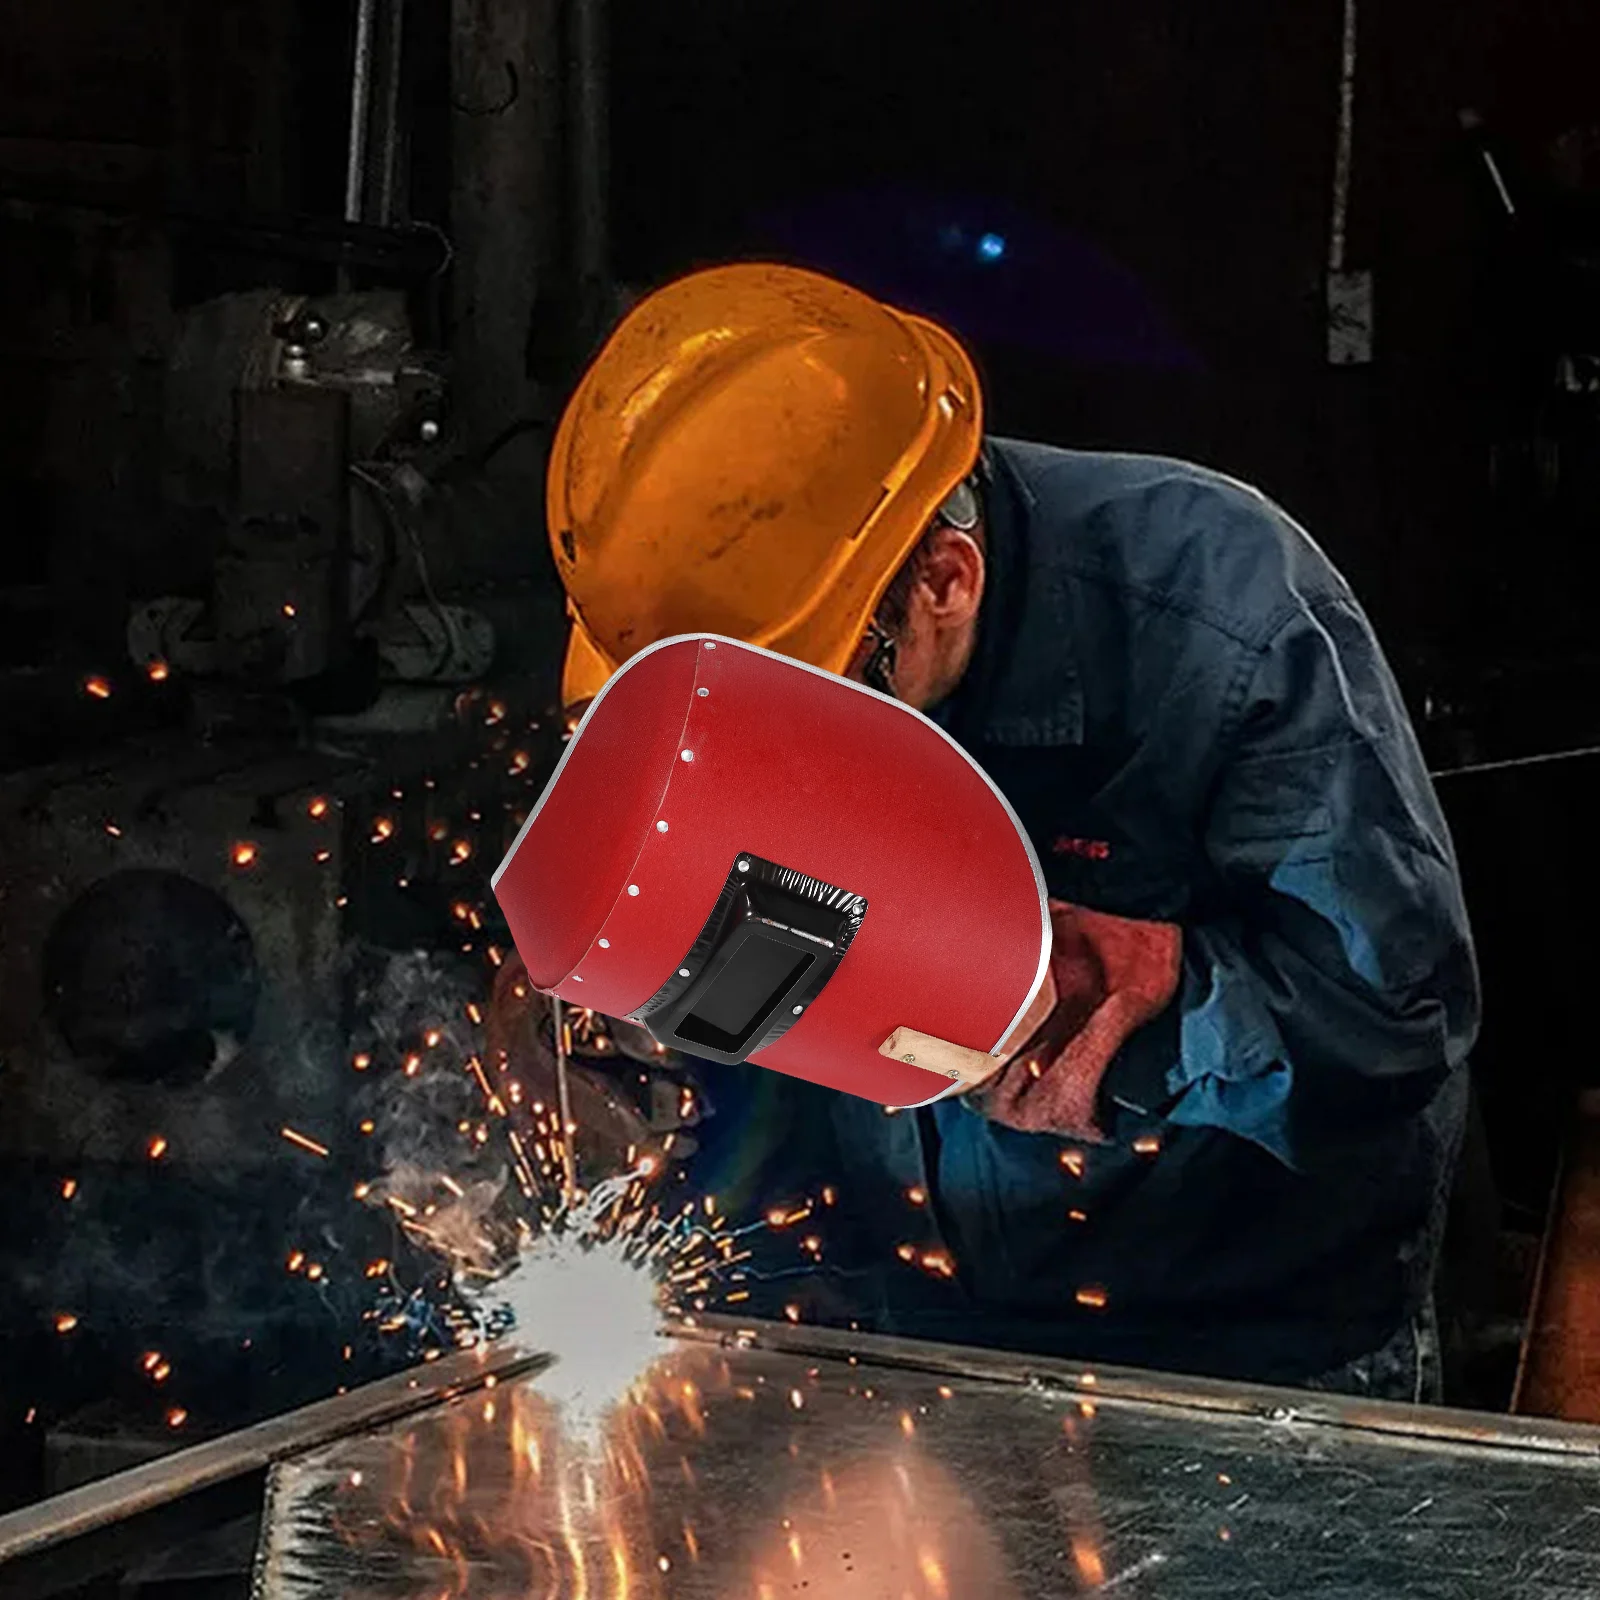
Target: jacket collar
{"x": 1023, "y": 687}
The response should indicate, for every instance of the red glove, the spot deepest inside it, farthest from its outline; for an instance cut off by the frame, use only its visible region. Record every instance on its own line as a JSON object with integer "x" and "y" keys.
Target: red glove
{"x": 1112, "y": 975}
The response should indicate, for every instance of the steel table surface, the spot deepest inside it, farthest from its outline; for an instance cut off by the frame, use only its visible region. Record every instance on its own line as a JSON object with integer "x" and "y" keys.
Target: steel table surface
{"x": 803, "y": 1462}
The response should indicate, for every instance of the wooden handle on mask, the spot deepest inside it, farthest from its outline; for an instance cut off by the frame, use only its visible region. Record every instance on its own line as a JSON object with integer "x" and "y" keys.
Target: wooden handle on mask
{"x": 969, "y": 1068}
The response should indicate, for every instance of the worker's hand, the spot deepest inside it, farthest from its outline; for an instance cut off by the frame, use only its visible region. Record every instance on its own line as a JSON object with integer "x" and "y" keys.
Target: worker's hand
{"x": 1112, "y": 975}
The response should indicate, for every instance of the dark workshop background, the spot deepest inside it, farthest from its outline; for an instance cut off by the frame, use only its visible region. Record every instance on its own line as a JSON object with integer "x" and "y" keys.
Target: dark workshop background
{"x": 1127, "y": 212}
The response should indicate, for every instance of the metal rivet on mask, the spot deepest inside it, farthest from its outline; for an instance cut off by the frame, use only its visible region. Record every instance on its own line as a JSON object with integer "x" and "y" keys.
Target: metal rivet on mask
{"x": 633, "y": 888}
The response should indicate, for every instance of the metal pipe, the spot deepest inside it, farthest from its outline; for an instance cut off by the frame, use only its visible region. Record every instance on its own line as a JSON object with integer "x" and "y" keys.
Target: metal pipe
{"x": 389, "y": 128}
{"x": 1345, "y": 146}
{"x": 590, "y": 145}
{"x": 355, "y": 172}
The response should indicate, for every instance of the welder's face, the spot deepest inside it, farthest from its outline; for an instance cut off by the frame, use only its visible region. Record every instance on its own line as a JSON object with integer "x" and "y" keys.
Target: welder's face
{"x": 921, "y": 662}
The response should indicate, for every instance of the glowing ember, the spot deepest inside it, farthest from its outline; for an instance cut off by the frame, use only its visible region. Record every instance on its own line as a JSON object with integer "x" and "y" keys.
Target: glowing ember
{"x": 69, "y": 1187}
{"x": 1073, "y": 1161}
{"x": 244, "y": 854}
{"x": 97, "y": 688}
{"x": 158, "y": 671}
{"x": 176, "y": 1417}
{"x": 1091, "y": 1295}
{"x": 156, "y": 1148}
{"x": 318, "y": 807}
{"x": 305, "y": 1144}
{"x": 66, "y": 1321}
{"x": 1147, "y": 1145}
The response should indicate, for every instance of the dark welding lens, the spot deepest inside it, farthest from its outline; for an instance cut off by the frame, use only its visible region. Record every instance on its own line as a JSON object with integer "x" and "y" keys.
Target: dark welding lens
{"x": 769, "y": 947}
{"x": 758, "y": 974}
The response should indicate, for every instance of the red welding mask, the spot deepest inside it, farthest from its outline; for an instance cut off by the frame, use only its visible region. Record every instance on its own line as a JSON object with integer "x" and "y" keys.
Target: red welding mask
{"x": 760, "y": 861}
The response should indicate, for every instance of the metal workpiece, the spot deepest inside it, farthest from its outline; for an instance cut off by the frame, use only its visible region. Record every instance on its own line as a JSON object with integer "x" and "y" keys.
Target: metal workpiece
{"x": 789, "y": 1462}
{"x": 95, "y": 1507}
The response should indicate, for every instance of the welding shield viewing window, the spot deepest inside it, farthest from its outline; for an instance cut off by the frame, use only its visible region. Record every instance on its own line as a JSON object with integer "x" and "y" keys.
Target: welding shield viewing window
{"x": 769, "y": 947}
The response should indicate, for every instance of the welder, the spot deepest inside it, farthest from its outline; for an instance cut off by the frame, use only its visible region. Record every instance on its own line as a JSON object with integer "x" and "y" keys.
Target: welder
{"x": 1188, "y": 709}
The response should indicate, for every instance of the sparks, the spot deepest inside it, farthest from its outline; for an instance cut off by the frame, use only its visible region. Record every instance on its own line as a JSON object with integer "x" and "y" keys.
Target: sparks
{"x": 69, "y": 1187}
{"x": 318, "y": 808}
{"x": 97, "y": 688}
{"x": 156, "y": 1148}
{"x": 158, "y": 671}
{"x": 244, "y": 853}
{"x": 176, "y": 1417}
{"x": 1091, "y": 1295}
{"x": 66, "y": 1321}
{"x": 304, "y": 1142}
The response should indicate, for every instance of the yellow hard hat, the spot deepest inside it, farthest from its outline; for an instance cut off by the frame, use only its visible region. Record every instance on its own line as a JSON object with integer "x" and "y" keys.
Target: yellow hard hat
{"x": 755, "y": 452}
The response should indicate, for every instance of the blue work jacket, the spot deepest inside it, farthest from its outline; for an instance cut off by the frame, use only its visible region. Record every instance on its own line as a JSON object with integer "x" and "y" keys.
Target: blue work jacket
{"x": 1187, "y": 708}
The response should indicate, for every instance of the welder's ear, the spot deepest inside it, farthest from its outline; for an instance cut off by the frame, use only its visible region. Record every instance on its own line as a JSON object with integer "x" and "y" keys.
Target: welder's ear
{"x": 950, "y": 573}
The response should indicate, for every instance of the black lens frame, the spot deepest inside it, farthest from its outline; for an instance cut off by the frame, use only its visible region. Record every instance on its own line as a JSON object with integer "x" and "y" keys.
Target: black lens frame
{"x": 759, "y": 899}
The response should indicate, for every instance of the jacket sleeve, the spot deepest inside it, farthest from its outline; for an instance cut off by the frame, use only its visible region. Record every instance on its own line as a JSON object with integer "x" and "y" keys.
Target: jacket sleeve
{"x": 1329, "y": 979}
